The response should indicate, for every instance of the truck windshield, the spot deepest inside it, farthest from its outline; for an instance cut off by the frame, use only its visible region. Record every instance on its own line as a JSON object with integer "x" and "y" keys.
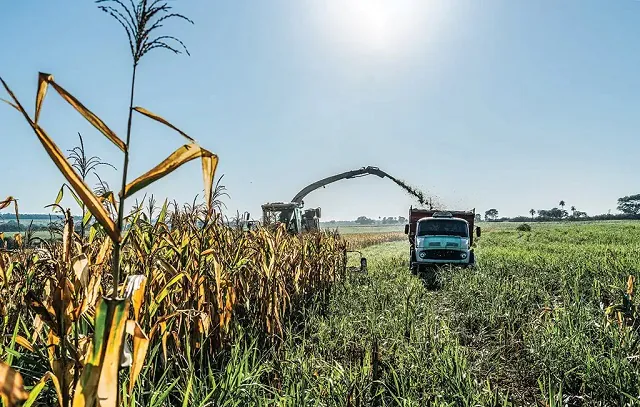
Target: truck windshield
{"x": 448, "y": 227}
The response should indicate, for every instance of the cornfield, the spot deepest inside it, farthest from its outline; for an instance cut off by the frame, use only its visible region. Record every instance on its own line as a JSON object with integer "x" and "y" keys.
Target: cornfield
{"x": 193, "y": 284}
{"x": 357, "y": 241}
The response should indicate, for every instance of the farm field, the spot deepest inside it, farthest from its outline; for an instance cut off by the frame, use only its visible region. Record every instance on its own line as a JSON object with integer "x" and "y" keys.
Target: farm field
{"x": 527, "y": 326}
{"x": 530, "y": 325}
{"x": 346, "y": 230}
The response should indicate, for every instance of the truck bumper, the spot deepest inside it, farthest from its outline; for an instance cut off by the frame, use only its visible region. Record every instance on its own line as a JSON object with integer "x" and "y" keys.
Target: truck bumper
{"x": 468, "y": 261}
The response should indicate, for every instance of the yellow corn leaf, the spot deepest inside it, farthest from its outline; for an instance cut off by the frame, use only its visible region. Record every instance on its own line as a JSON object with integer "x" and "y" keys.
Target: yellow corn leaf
{"x": 6, "y": 202}
{"x": 18, "y": 238}
{"x": 99, "y": 378}
{"x": 35, "y": 391}
{"x": 90, "y": 292}
{"x": 208, "y": 251}
{"x": 135, "y": 291}
{"x": 164, "y": 292}
{"x": 52, "y": 341}
{"x": 46, "y": 79}
{"x": 93, "y": 203}
{"x": 11, "y": 386}
{"x": 157, "y": 118}
{"x": 104, "y": 249}
{"x": 108, "y": 196}
{"x": 81, "y": 270}
{"x": 165, "y": 336}
{"x": 179, "y": 157}
{"x": 140, "y": 347}
{"x": 108, "y": 385}
{"x": 22, "y": 341}
{"x": 67, "y": 236}
{"x": 43, "y": 85}
{"x": 209, "y": 165}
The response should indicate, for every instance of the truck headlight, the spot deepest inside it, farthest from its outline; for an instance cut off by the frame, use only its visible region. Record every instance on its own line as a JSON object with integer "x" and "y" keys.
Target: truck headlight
{"x": 463, "y": 255}
{"x": 423, "y": 255}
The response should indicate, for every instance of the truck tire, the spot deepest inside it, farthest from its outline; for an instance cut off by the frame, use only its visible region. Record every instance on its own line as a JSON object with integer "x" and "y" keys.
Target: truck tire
{"x": 412, "y": 261}
{"x": 472, "y": 259}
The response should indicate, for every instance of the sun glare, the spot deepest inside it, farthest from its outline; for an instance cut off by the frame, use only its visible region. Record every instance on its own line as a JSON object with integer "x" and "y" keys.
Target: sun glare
{"x": 377, "y": 26}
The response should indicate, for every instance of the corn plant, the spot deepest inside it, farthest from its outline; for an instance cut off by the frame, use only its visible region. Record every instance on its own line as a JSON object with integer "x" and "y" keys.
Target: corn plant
{"x": 99, "y": 380}
{"x": 192, "y": 282}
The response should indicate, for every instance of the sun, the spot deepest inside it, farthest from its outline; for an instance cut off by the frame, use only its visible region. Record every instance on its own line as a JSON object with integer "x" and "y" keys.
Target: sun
{"x": 376, "y": 26}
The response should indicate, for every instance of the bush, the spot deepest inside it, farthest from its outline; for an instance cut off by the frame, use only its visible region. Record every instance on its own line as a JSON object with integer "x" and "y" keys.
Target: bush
{"x": 524, "y": 228}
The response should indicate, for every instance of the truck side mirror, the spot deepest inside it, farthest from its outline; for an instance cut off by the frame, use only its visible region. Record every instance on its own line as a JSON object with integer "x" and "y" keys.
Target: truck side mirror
{"x": 248, "y": 216}
{"x": 318, "y": 213}
{"x": 478, "y": 231}
{"x": 406, "y": 229}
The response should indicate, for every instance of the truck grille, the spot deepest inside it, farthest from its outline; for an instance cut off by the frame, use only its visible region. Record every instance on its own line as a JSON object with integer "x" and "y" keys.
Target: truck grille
{"x": 443, "y": 254}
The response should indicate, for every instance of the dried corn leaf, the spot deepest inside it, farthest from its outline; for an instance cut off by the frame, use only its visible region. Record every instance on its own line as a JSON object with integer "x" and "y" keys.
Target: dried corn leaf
{"x": 81, "y": 270}
{"x": 135, "y": 291}
{"x": 47, "y": 79}
{"x": 11, "y": 386}
{"x": 24, "y": 342}
{"x": 108, "y": 384}
{"x": 6, "y": 202}
{"x": 209, "y": 165}
{"x": 157, "y": 118}
{"x": 140, "y": 348}
{"x": 104, "y": 250}
{"x": 35, "y": 391}
{"x": 179, "y": 157}
{"x": 91, "y": 201}
{"x": 99, "y": 378}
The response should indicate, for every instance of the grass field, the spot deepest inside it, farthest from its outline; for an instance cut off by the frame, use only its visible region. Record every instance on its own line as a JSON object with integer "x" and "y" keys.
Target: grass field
{"x": 527, "y": 326}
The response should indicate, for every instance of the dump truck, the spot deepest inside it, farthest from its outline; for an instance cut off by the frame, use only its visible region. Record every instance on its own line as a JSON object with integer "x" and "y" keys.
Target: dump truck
{"x": 440, "y": 237}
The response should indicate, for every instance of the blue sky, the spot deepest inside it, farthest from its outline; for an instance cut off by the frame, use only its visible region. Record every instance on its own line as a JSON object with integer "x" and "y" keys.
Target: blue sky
{"x": 506, "y": 104}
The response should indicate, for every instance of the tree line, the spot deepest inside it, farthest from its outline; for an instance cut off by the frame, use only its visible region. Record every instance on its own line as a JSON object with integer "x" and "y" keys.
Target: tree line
{"x": 629, "y": 207}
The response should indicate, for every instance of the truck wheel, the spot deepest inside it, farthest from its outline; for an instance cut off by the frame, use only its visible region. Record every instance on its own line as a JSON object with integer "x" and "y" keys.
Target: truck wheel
{"x": 472, "y": 259}
{"x": 412, "y": 260}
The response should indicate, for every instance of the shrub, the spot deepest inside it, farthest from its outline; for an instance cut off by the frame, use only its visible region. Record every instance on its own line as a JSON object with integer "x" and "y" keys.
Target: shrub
{"x": 524, "y": 228}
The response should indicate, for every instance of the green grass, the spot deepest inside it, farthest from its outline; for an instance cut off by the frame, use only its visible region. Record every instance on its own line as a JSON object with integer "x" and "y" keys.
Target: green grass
{"x": 526, "y": 326}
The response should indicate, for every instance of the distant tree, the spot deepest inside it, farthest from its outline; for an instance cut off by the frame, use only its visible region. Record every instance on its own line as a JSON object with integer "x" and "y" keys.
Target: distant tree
{"x": 532, "y": 212}
{"x": 554, "y": 213}
{"x": 573, "y": 211}
{"x": 363, "y": 220}
{"x": 562, "y": 204}
{"x": 478, "y": 217}
{"x": 491, "y": 214}
{"x": 402, "y": 220}
{"x": 629, "y": 204}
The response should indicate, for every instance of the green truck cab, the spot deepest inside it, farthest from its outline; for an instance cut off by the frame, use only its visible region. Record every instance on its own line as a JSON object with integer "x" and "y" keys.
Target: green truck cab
{"x": 441, "y": 237}
{"x": 292, "y": 215}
